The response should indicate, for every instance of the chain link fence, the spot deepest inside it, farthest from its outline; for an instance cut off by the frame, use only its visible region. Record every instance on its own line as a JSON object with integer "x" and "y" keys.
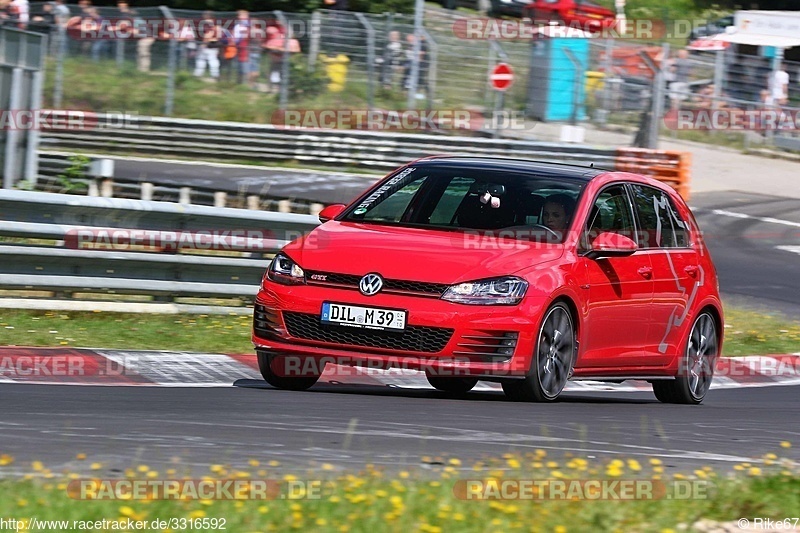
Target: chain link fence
{"x": 330, "y": 59}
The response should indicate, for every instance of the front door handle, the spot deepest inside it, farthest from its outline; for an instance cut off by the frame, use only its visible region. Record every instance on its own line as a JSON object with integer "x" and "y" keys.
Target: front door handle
{"x": 646, "y": 272}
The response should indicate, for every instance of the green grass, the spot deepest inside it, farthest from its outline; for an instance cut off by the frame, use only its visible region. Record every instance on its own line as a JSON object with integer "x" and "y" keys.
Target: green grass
{"x": 421, "y": 500}
{"x": 746, "y": 332}
{"x": 203, "y": 333}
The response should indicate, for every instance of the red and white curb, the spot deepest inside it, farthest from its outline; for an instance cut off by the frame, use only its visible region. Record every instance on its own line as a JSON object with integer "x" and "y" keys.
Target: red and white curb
{"x": 82, "y": 366}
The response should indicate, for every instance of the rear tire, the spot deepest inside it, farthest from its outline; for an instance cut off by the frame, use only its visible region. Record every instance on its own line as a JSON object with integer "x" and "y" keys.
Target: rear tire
{"x": 697, "y": 366}
{"x": 452, "y": 385}
{"x": 551, "y": 364}
{"x": 282, "y": 382}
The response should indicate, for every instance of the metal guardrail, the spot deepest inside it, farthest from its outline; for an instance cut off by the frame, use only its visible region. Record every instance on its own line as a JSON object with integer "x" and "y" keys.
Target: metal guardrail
{"x": 269, "y": 143}
{"x": 147, "y": 246}
{"x": 184, "y": 138}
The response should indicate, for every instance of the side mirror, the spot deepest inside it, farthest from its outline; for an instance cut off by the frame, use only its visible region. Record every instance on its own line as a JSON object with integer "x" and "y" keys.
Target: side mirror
{"x": 610, "y": 244}
{"x": 331, "y": 211}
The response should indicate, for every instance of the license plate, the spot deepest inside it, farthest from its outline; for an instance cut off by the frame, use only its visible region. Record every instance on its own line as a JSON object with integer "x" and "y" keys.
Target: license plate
{"x": 363, "y": 317}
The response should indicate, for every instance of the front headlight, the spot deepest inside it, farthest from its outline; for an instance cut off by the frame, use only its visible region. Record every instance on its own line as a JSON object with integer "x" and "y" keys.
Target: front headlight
{"x": 284, "y": 270}
{"x": 507, "y": 290}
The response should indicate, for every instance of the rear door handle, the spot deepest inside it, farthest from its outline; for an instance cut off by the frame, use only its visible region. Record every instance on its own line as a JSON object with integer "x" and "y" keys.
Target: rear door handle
{"x": 691, "y": 270}
{"x": 645, "y": 272}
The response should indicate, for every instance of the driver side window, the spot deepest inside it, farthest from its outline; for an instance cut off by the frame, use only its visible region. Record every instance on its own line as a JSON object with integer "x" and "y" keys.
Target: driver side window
{"x": 611, "y": 212}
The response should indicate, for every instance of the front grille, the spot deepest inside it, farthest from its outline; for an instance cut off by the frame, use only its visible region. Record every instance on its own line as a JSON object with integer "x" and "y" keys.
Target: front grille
{"x": 265, "y": 322}
{"x": 412, "y": 339}
{"x": 349, "y": 281}
{"x": 488, "y": 345}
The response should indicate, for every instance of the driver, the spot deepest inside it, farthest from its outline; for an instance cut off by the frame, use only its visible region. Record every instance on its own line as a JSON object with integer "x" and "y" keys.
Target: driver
{"x": 557, "y": 212}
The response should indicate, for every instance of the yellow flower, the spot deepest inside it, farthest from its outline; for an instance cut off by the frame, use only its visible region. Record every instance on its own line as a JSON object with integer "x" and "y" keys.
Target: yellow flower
{"x": 22, "y": 502}
{"x": 197, "y": 514}
{"x": 455, "y": 462}
{"x": 37, "y": 466}
{"x": 513, "y": 463}
{"x": 96, "y": 466}
{"x": 80, "y": 456}
{"x": 634, "y": 465}
{"x": 290, "y": 477}
{"x": 754, "y": 471}
{"x": 274, "y": 463}
{"x": 403, "y": 474}
{"x": 6, "y": 460}
{"x": 217, "y": 469}
{"x": 551, "y": 464}
{"x": 142, "y": 468}
{"x": 655, "y": 462}
{"x": 560, "y": 529}
{"x": 701, "y": 474}
{"x": 786, "y": 444}
{"x": 263, "y": 509}
{"x": 327, "y": 466}
{"x": 321, "y": 522}
{"x": 771, "y": 456}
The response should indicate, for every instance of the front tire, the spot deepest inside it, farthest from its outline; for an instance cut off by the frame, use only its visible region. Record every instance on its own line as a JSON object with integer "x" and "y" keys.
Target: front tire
{"x": 552, "y": 362}
{"x": 697, "y": 366}
{"x": 265, "y": 361}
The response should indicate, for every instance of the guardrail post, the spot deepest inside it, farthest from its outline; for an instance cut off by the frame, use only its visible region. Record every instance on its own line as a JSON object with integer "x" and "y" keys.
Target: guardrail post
{"x": 284, "y": 206}
{"x": 185, "y": 195}
{"x": 253, "y": 202}
{"x": 220, "y": 199}
{"x": 316, "y": 208}
{"x": 93, "y": 190}
{"x": 147, "y": 191}
{"x": 107, "y": 188}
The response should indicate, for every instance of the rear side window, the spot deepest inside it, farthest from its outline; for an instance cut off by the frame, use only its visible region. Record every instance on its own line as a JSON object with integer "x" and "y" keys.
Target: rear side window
{"x": 660, "y": 224}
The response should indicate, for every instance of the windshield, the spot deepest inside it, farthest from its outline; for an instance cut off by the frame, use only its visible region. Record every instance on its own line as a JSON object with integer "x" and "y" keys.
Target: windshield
{"x": 526, "y": 206}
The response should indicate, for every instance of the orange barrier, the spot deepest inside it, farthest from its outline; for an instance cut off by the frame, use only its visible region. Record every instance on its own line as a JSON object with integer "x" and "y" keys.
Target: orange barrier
{"x": 669, "y": 166}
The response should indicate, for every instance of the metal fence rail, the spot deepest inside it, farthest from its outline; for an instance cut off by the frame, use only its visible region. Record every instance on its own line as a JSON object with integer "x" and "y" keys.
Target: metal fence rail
{"x": 45, "y": 235}
{"x": 355, "y": 148}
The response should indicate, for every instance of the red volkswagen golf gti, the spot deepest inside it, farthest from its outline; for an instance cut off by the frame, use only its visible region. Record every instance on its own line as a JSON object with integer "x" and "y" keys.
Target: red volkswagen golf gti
{"x": 524, "y": 273}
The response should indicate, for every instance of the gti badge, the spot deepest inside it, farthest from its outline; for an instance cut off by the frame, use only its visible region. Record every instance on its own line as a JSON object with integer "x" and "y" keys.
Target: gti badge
{"x": 370, "y": 284}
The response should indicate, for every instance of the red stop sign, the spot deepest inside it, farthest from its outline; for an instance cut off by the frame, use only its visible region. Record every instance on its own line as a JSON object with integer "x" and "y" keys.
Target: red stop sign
{"x": 502, "y": 76}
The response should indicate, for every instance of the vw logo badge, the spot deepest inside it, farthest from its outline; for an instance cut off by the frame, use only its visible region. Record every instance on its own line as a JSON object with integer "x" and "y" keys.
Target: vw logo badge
{"x": 370, "y": 284}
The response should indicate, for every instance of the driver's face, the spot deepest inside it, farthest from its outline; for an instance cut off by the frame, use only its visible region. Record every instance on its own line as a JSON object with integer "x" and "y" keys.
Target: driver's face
{"x": 554, "y": 217}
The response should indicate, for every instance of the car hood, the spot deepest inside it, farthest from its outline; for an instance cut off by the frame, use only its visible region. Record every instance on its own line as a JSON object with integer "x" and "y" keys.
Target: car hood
{"x": 416, "y": 254}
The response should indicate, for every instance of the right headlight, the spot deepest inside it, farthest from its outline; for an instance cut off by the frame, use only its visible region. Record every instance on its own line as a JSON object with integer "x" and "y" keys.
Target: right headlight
{"x": 507, "y": 290}
{"x": 284, "y": 270}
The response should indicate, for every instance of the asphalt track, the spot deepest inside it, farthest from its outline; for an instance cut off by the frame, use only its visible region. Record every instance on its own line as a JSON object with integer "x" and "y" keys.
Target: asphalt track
{"x": 349, "y": 426}
{"x": 753, "y": 239}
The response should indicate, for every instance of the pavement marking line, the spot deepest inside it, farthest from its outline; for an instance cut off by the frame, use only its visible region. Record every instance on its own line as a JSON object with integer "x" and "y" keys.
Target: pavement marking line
{"x": 793, "y": 249}
{"x": 182, "y": 368}
{"x": 189, "y": 369}
{"x": 770, "y": 220}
